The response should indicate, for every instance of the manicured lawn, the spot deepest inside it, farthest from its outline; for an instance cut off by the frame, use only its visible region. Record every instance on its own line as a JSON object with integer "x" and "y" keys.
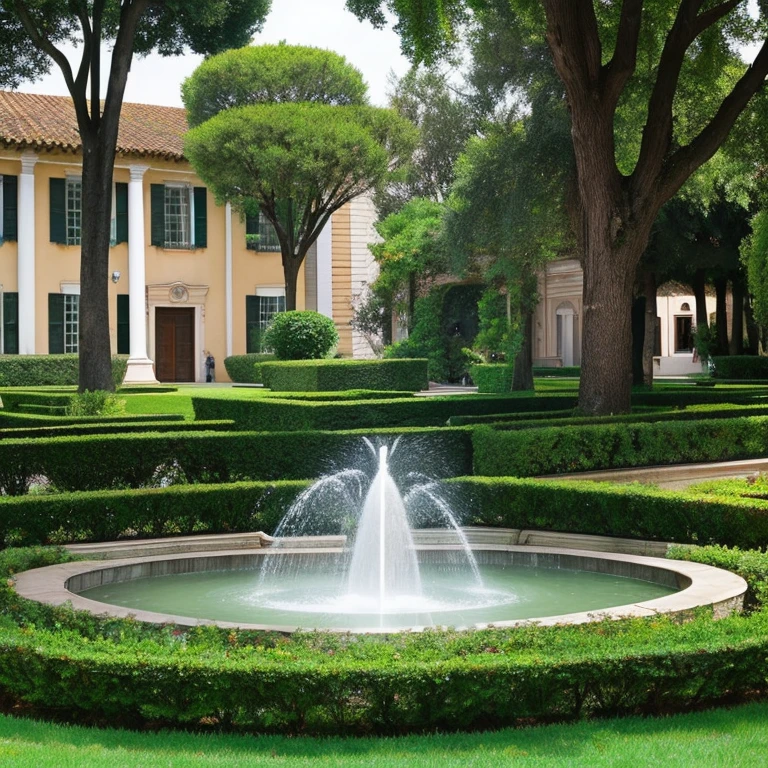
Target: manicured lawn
{"x": 730, "y": 738}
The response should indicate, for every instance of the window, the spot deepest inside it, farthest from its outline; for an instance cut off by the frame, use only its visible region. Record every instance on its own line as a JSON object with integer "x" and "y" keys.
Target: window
{"x": 71, "y": 322}
{"x": 74, "y": 209}
{"x": 9, "y": 323}
{"x": 260, "y": 235}
{"x": 683, "y": 333}
{"x": 178, "y": 221}
{"x": 259, "y": 311}
{"x": 64, "y": 321}
{"x": 179, "y": 216}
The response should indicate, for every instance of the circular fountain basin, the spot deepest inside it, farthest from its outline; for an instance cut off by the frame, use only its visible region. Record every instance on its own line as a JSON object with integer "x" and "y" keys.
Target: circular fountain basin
{"x": 520, "y": 583}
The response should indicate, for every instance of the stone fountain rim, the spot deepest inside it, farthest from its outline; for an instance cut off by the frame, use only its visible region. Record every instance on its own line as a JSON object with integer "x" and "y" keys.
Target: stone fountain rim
{"x": 719, "y": 589}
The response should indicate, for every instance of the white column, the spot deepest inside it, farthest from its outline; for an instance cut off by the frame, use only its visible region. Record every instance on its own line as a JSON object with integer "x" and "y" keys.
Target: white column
{"x": 325, "y": 270}
{"x": 228, "y": 278}
{"x": 140, "y": 368}
{"x": 26, "y": 254}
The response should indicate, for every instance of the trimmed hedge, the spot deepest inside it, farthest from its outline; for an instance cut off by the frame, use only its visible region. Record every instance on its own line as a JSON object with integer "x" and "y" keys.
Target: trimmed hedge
{"x": 120, "y": 460}
{"x": 36, "y": 420}
{"x": 740, "y": 367}
{"x": 565, "y": 371}
{"x": 278, "y": 414}
{"x": 128, "y": 672}
{"x": 176, "y": 510}
{"x": 602, "y": 509}
{"x": 571, "y": 418}
{"x": 492, "y": 378}
{"x": 553, "y": 450}
{"x": 160, "y": 424}
{"x": 333, "y": 375}
{"x": 246, "y": 369}
{"x": 607, "y": 509}
{"x": 45, "y": 370}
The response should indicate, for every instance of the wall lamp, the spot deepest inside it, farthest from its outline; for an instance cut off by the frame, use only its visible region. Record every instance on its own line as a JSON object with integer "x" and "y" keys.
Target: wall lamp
{"x": 115, "y": 276}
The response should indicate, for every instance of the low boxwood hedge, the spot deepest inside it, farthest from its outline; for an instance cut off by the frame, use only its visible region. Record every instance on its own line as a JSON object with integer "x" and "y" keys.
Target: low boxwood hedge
{"x": 12, "y": 420}
{"x": 282, "y": 414}
{"x": 44, "y": 370}
{"x": 160, "y": 424}
{"x": 740, "y": 367}
{"x": 331, "y": 375}
{"x": 135, "y": 460}
{"x": 130, "y": 673}
{"x": 553, "y": 450}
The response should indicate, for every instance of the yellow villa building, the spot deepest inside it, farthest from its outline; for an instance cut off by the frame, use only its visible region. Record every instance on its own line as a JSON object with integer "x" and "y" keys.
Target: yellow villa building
{"x": 187, "y": 277}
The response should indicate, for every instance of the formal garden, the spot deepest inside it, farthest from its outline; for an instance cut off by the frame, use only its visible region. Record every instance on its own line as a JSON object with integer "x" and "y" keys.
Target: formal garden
{"x": 175, "y": 461}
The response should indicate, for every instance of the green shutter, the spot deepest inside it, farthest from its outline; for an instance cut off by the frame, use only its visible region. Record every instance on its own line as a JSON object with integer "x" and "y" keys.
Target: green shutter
{"x": 252, "y": 328}
{"x": 11, "y": 323}
{"x": 55, "y": 323}
{"x": 157, "y": 213}
{"x": 58, "y": 211}
{"x": 123, "y": 325}
{"x": 121, "y": 212}
{"x": 201, "y": 217}
{"x": 10, "y": 207}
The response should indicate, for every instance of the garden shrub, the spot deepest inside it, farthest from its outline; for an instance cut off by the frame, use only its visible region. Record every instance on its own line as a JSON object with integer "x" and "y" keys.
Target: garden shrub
{"x": 740, "y": 367}
{"x": 246, "y": 369}
{"x": 136, "y": 460}
{"x": 96, "y": 403}
{"x": 161, "y": 423}
{"x": 46, "y": 370}
{"x": 301, "y": 335}
{"x": 282, "y": 414}
{"x": 14, "y": 420}
{"x": 492, "y": 377}
{"x": 554, "y": 450}
{"x": 565, "y": 371}
{"x": 321, "y": 682}
{"x": 335, "y": 375}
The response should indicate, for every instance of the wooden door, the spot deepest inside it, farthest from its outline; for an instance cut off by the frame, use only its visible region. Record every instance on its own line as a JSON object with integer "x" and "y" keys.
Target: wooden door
{"x": 175, "y": 344}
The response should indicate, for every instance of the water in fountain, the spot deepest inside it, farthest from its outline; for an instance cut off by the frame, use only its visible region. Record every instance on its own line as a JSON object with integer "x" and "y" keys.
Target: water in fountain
{"x": 377, "y": 572}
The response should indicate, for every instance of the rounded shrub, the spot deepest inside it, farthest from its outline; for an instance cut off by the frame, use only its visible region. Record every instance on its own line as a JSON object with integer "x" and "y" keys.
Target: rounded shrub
{"x": 301, "y": 335}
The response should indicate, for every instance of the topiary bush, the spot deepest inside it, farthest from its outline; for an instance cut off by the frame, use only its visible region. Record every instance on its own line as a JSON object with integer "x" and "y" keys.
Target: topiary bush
{"x": 301, "y": 335}
{"x": 96, "y": 403}
{"x": 492, "y": 378}
{"x": 246, "y": 369}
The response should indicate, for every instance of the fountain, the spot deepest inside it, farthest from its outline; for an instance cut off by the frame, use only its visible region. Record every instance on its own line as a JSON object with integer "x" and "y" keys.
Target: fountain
{"x": 379, "y": 550}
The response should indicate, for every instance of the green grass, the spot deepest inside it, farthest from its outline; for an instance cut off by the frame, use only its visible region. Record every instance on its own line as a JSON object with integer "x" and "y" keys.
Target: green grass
{"x": 730, "y": 738}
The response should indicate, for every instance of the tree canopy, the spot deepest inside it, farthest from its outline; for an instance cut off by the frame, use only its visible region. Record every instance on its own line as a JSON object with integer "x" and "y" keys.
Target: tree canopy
{"x": 658, "y": 58}
{"x": 32, "y": 33}
{"x": 297, "y": 164}
{"x": 271, "y": 74}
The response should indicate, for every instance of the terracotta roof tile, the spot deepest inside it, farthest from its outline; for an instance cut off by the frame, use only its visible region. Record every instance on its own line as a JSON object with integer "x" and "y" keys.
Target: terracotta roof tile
{"x": 47, "y": 122}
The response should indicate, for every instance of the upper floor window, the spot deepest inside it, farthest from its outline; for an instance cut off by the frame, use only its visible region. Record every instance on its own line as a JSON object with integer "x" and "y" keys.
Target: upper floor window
{"x": 260, "y": 235}
{"x": 74, "y": 207}
{"x": 8, "y": 207}
{"x": 179, "y": 216}
{"x": 66, "y": 211}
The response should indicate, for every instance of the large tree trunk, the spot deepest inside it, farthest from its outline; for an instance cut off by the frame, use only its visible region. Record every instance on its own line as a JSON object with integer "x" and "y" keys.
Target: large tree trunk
{"x": 721, "y": 317}
{"x": 95, "y": 365}
{"x": 699, "y": 285}
{"x": 605, "y": 386}
{"x": 736, "y": 345}
{"x": 522, "y": 374}
{"x": 753, "y": 331}
{"x": 291, "y": 267}
{"x": 649, "y": 339}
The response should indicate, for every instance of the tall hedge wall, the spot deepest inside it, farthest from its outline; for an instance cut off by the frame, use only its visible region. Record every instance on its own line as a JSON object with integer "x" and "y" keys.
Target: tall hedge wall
{"x": 107, "y": 461}
{"x": 331, "y": 375}
{"x": 274, "y": 413}
{"x": 552, "y": 450}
